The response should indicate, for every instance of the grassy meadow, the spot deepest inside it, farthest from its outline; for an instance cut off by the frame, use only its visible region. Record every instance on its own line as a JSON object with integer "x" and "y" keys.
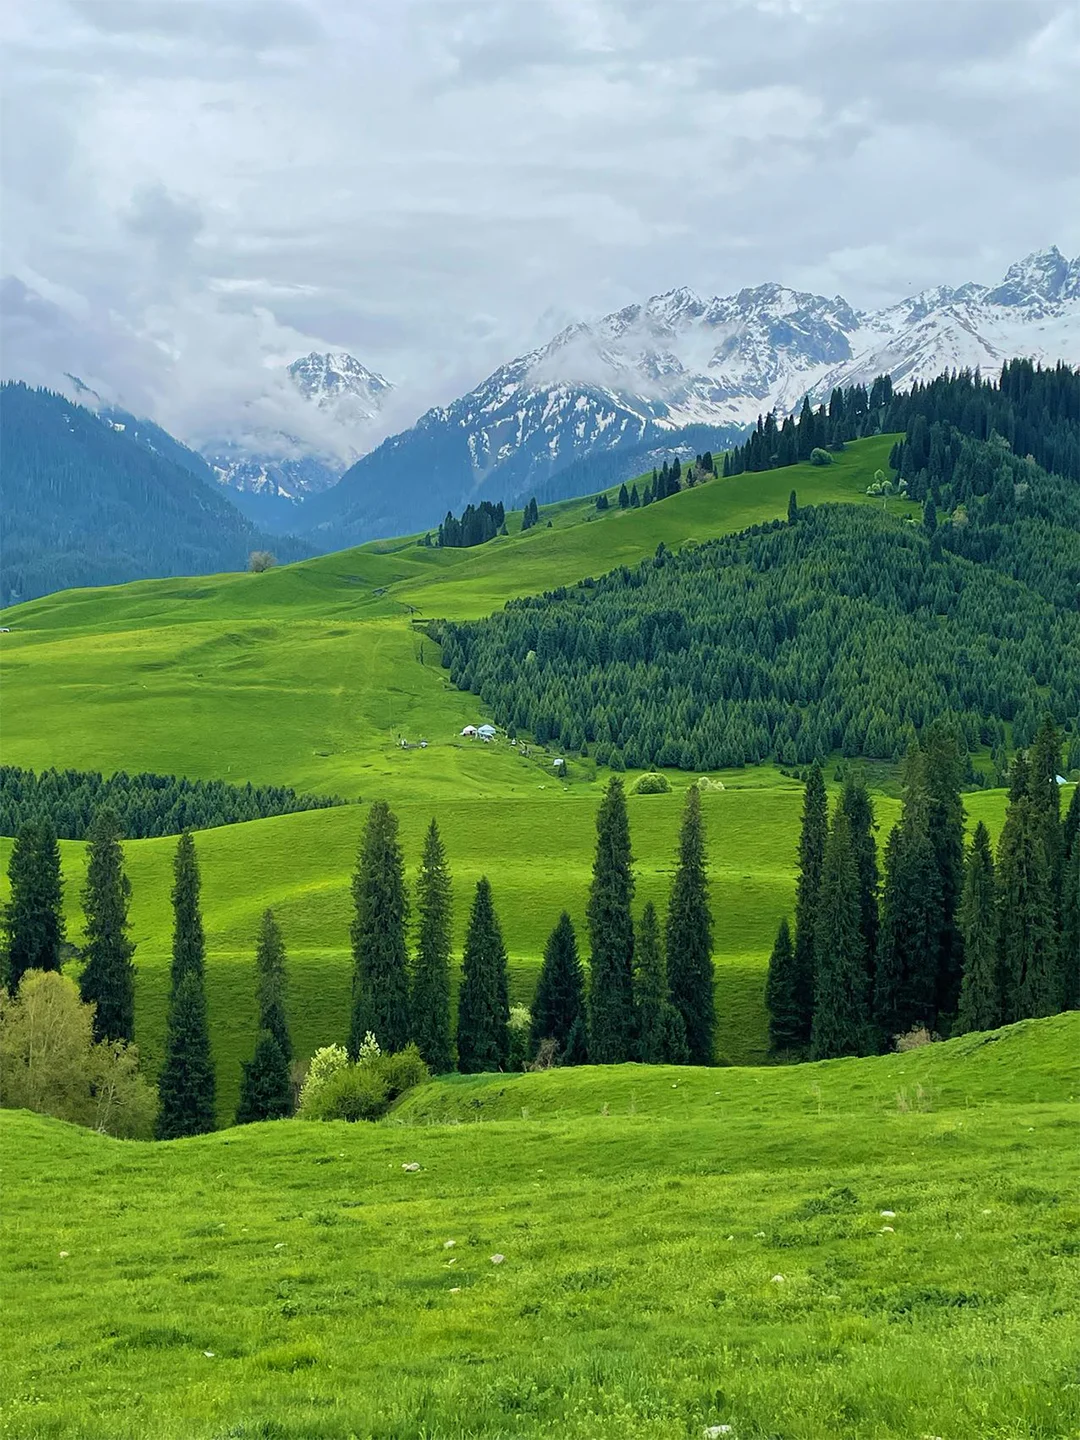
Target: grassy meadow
{"x": 307, "y": 675}
{"x": 538, "y": 852}
{"x": 872, "y": 1249}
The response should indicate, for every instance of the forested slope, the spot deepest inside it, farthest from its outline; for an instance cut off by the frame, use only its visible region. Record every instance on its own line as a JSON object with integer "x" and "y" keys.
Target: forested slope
{"x": 83, "y": 504}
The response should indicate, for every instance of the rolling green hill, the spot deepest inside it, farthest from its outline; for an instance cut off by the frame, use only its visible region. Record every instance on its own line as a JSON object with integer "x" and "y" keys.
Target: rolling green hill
{"x": 880, "y": 1249}
{"x": 306, "y": 675}
{"x": 538, "y": 853}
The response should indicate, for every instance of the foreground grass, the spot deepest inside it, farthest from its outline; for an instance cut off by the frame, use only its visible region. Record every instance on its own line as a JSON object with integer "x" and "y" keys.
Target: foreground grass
{"x": 538, "y": 851}
{"x": 292, "y": 1280}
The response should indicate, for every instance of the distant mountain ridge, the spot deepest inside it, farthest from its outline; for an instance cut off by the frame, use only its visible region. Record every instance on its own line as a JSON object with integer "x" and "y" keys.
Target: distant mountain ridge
{"x": 639, "y": 375}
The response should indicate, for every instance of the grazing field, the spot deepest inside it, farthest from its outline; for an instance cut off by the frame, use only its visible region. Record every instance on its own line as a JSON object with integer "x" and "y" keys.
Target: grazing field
{"x": 876, "y": 1249}
{"x": 538, "y": 852}
{"x": 308, "y": 675}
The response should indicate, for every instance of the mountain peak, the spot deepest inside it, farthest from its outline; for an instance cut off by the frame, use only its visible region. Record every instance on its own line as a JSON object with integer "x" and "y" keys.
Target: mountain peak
{"x": 1043, "y": 276}
{"x": 325, "y": 376}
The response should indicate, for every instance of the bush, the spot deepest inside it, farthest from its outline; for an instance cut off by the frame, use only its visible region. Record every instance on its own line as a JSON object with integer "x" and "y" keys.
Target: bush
{"x": 49, "y": 1062}
{"x": 404, "y": 1070}
{"x": 359, "y": 1092}
{"x": 260, "y": 560}
{"x": 519, "y": 1027}
{"x": 652, "y": 784}
{"x": 336, "y": 1090}
{"x": 820, "y": 457}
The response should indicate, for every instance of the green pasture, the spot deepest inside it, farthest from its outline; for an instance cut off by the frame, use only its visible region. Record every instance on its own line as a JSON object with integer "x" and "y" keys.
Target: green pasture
{"x": 877, "y": 1249}
{"x": 538, "y": 852}
{"x": 309, "y": 675}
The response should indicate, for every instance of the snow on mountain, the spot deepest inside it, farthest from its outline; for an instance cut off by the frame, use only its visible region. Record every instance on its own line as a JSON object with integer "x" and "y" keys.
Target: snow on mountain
{"x": 343, "y": 399}
{"x": 643, "y": 372}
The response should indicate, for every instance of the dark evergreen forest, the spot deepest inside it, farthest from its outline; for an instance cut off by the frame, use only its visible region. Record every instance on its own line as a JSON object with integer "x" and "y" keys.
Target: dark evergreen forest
{"x": 145, "y": 805}
{"x": 478, "y": 523}
{"x": 842, "y": 629}
{"x": 86, "y": 505}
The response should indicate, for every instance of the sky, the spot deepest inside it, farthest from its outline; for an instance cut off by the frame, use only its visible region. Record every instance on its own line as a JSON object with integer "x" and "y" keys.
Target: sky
{"x": 197, "y": 191}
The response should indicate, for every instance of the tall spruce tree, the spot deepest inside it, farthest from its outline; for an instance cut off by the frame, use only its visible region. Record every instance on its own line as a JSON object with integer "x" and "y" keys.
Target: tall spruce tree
{"x": 430, "y": 1004}
{"x": 380, "y": 958}
{"x": 815, "y": 824}
{"x": 841, "y": 1012}
{"x": 611, "y": 934}
{"x": 785, "y": 1016}
{"x": 186, "y": 1080}
{"x": 856, "y": 800}
{"x": 981, "y": 1006}
{"x": 689, "y": 938}
{"x": 1044, "y": 763}
{"x": 33, "y": 917}
{"x": 905, "y": 980}
{"x": 1070, "y": 916}
{"x": 108, "y": 977}
{"x": 1031, "y": 974}
{"x": 189, "y": 941}
{"x": 661, "y": 1032}
{"x": 265, "y": 1090}
{"x": 559, "y": 1004}
{"x": 483, "y": 1038}
{"x": 271, "y": 982}
{"x": 943, "y": 771}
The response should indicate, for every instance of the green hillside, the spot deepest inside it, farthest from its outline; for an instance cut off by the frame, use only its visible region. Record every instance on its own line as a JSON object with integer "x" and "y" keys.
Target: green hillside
{"x": 538, "y": 852}
{"x": 308, "y": 674}
{"x": 879, "y": 1249}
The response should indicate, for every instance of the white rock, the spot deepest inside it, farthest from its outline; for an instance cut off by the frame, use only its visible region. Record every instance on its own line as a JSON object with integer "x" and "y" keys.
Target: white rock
{"x": 209, "y": 1354}
{"x": 455, "y": 1289}
{"x": 497, "y": 1259}
{"x": 448, "y": 1244}
{"x": 887, "y": 1214}
{"x": 64, "y": 1254}
{"x": 280, "y": 1245}
{"x": 887, "y": 1230}
{"x": 778, "y": 1279}
{"x": 713, "y": 1432}
{"x": 759, "y": 1234}
{"x": 411, "y": 1166}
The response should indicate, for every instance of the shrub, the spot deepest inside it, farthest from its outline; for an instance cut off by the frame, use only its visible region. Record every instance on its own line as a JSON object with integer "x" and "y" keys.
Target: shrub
{"x": 260, "y": 560}
{"x": 49, "y": 1062}
{"x": 325, "y": 1063}
{"x": 520, "y": 1031}
{"x": 359, "y": 1092}
{"x": 914, "y": 1039}
{"x": 820, "y": 457}
{"x": 652, "y": 784}
{"x": 404, "y": 1070}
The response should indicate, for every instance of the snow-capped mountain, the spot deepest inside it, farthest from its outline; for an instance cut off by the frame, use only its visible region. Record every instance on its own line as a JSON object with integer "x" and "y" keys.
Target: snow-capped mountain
{"x": 310, "y": 451}
{"x": 635, "y": 377}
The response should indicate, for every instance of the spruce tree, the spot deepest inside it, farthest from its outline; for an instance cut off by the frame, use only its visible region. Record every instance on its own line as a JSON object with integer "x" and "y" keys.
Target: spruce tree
{"x": 271, "y": 984}
{"x": 430, "y": 1003}
{"x": 108, "y": 977}
{"x": 980, "y": 990}
{"x": 186, "y": 1079}
{"x": 1070, "y": 925}
{"x": 624, "y": 496}
{"x": 1044, "y": 762}
{"x": 792, "y": 508}
{"x": 651, "y": 992}
{"x": 265, "y": 1090}
{"x": 943, "y": 772}
{"x": 689, "y": 937}
{"x": 1031, "y": 974}
{"x": 856, "y": 800}
{"x": 189, "y": 942}
{"x": 380, "y": 959}
{"x": 785, "y": 1018}
{"x": 560, "y": 992}
{"x": 483, "y": 1039}
{"x": 33, "y": 917}
{"x": 611, "y": 934}
{"x": 905, "y": 980}
{"x": 811, "y": 856}
{"x": 841, "y": 1016}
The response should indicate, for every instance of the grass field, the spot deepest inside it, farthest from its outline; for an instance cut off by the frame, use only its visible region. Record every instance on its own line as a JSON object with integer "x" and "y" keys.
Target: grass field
{"x": 876, "y": 1249}
{"x": 308, "y": 674}
{"x": 538, "y": 852}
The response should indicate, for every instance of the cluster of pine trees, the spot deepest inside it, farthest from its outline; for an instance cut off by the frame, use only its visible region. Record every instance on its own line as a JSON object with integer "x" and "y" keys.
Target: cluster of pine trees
{"x": 145, "y": 805}
{"x": 478, "y": 524}
{"x": 841, "y": 629}
{"x": 948, "y": 941}
{"x": 530, "y": 515}
{"x": 850, "y": 414}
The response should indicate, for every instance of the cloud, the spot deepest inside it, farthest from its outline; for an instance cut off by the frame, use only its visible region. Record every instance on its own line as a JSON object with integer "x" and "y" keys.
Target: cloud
{"x": 199, "y": 192}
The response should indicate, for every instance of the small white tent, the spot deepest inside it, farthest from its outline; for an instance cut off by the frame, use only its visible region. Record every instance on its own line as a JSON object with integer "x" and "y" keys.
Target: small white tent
{"x": 486, "y": 732}
{"x": 469, "y": 730}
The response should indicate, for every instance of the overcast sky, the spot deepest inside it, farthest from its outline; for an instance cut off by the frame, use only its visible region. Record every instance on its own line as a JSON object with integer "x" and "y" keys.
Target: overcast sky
{"x": 195, "y": 188}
